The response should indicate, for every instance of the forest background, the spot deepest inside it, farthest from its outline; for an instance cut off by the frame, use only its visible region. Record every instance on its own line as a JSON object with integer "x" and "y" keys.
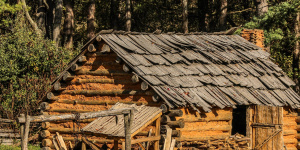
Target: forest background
{"x": 39, "y": 37}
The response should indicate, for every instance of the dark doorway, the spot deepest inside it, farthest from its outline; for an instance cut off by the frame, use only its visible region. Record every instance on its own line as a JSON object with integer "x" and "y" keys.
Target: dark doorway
{"x": 239, "y": 120}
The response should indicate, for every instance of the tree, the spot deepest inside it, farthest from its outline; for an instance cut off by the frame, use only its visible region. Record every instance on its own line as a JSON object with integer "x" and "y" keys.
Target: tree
{"x": 41, "y": 15}
{"x": 185, "y": 21}
{"x": 32, "y": 23}
{"x": 57, "y": 20}
{"x": 128, "y": 16}
{"x": 68, "y": 24}
{"x": 114, "y": 6}
{"x": 202, "y": 11}
{"x": 261, "y": 7}
{"x": 91, "y": 20}
{"x": 223, "y": 14}
{"x": 296, "y": 53}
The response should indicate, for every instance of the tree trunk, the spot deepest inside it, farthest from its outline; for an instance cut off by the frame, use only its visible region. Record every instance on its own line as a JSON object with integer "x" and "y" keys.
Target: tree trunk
{"x": 185, "y": 16}
{"x": 57, "y": 20}
{"x": 297, "y": 53}
{"x": 223, "y": 14}
{"x": 114, "y": 14}
{"x": 128, "y": 16}
{"x": 24, "y": 143}
{"x": 68, "y": 24}
{"x": 91, "y": 20}
{"x": 49, "y": 19}
{"x": 261, "y": 7}
{"x": 202, "y": 11}
{"x": 32, "y": 23}
{"x": 41, "y": 15}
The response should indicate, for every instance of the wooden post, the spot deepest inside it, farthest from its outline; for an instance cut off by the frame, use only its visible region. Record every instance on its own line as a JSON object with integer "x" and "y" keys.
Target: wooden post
{"x": 22, "y": 130}
{"x": 128, "y": 119}
{"x": 157, "y": 133}
{"x": 25, "y": 134}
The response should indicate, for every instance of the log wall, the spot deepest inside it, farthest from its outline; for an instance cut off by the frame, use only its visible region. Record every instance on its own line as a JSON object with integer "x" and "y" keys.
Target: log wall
{"x": 216, "y": 124}
{"x": 290, "y": 128}
{"x": 95, "y": 84}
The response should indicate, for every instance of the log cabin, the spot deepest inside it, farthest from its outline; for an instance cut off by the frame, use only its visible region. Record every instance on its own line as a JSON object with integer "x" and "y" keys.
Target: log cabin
{"x": 215, "y": 91}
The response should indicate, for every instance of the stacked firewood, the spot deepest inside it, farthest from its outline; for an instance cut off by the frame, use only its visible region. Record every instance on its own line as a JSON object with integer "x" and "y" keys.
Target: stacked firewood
{"x": 236, "y": 141}
{"x": 255, "y": 36}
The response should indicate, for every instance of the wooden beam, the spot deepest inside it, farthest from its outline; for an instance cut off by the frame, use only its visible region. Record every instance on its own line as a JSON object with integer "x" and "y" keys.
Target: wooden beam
{"x": 157, "y": 132}
{"x": 75, "y": 67}
{"x": 98, "y": 102}
{"x": 101, "y": 72}
{"x": 135, "y": 78}
{"x": 91, "y": 48}
{"x": 156, "y": 98}
{"x": 167, "y": 142}
{"x": 82, "y": 59}
{"x": 110, "y": 81}
{"x": 105, "y": 48}
{"x": 107, "y": 92}
{"x": 116, "y": 145}
{"x": 44, "y": 106}
{"x": 175, "y": 113}
{"x": 176, "y": 124}
{"x": 165, "y": 108}
{"x": 144, "y": 86}
{"x": 89, "y": 115}
{"x": 51, "y": 97}
{"x": 147, "y": 139}
{"x": 67, "y": 76}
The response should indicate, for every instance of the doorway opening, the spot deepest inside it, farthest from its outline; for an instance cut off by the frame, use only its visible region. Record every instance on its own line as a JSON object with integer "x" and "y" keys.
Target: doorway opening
{"x": 239, "y": 124}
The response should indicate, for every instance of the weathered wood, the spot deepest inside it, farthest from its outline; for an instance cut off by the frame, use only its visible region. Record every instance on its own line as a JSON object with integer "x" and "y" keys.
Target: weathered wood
{"x": 10, "y": 135}
{"x": 94, "y": 147}
{"x": 88, "y": 115}
{"x": 67, "y": 76}
{"x": 51, "y": 97}
{"x": 99, "y": 141}
{"x": 24, "y": 138}
{"x": 165, "y": 119}
{"x": 97, "y": 102}
{"x": 57, "y": 86}
{"x": 144, "y": 86}
{"x": 289, "y": 132}
{"x": 60, "y": 141}
{"x": 55, "y": 144}
{"x": 91, "y": 48}
{"x": 147, "y": 139}
{"x": 176, "y": 124}
{"x": 220, "y": 117}
{"x": 44, "y": 106}
{"x": 111, "y": 81}
{"x": 148, "y": 143}
{"x": 101, "y": 72}
{"x": 82, "y": 59}
{"x": 46, "y": 143}
{"x": 135, "y": 78}
{"x": 6, "y": 120}
{"x": 157, "y": 132}
{"x": 175, "y": 113}
{"x": 45, "y": 125}
{"x": 75, "y": 67}
{"x": 164, "y": 107}
{"x": 98, "y": 38}
{"x": 105, "y": 48}
{"x": 127, "y": 127}
{"x": 156, "y": 98}
{"x": 83, "y": 146}
{"x": 45, "y": 134}
{"x": 126, "y": 68}
{"x": 175, "y": 133}
{"x": 173, "y": 144}
{"x": 107, "y": 92}
{"x": 215, "y": 137}
{"x": 168, "y": 139}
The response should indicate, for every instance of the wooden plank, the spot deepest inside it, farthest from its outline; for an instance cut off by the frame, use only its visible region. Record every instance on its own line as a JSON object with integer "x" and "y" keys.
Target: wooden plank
{"x": 60, "y": 141}
{"x": 157, "y": 132}
{"x": 146, "y": 124}
{"x": 168, "y": 139}
{"x": 147, "y": 139}
{"x": 148, "y": 143}
{"x": 55, "y": 143}
{"x": 173, "y": 144}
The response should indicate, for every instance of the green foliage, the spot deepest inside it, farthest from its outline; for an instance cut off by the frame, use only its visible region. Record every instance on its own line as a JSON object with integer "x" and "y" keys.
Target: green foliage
{"x": 27, "y": 66}
{"x": 6, "y": 10}
{"x": 278, "y": 25}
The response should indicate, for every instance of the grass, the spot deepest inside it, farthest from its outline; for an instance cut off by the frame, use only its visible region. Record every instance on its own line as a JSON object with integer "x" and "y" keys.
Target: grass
{"x": 30, "y": 147}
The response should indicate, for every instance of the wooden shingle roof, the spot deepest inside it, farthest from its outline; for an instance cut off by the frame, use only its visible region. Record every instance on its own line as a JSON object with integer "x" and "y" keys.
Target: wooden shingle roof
{"x": 114, "y": 126}
{"x": 202, "y": 70}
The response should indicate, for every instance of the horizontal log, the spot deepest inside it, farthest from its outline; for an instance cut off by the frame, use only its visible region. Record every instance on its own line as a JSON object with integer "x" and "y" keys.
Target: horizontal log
{"x": 89, "y": 115}
{"x": 289, "y": 132}
{"x": 209, "y": 128}
{"x": 44, "y": 106}
{"x": 126, "y": 68}
{"x": 175, "y": 133}
{"x": 147, "y": 139}
{"x": 51, "y": 96}
{"x": 67, "y": 76}
{"x": 164, "y": 107}
{"x": 110, "y": 81}
{"x": 165, "y": 119}
{"x": 135, "y": 78}
{"x": 106, "y": 92}
{"x": 215, "y": 137}
{"x": 62, "y": 110}
{"x": 8, "y": 131}
{"x": 223, "y": 117}
{"x": 46, "y": 142}
{"x": 156, "y": 98}
{"x": 100, "y": 141}
{"x": 101, "y": 72}
{"x": 105, "y": 48}
{"x": 6, "y": 120}
{"x": 176, "y": 124}
{"x": 98, "y": 54}
{"x": 45, "y": 125}
{"x": 75, "y": 67}
{"x": 290, "y": 141}
{"x": 45, "y": 134}
{"x": 97, "y": 102}
{"x": 46, "y": 148}
{"x": 175, "y": 113}
{"x": 57, "y": 86}
{"x": 298, "y": 136}
{"x": 98, "y": 38}
{"x": 144, "y": 86}
{"x": 11, "y": 135}
{"x": 91, "y": 48}
{"x": 82, "y": 59}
